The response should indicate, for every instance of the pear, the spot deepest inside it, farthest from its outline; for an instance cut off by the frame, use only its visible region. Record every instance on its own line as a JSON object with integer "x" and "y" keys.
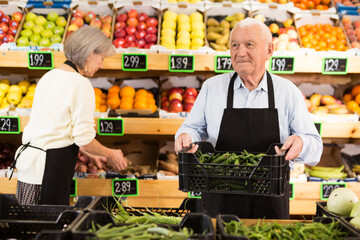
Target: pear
{"x": 355, "y": 211}
{"x": 237, "y": 16}
{"x": 355, "y": 222}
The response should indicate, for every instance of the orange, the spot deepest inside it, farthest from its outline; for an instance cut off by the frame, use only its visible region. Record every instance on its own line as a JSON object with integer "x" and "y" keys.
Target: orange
{"x": 103, "y": 108}
{"x": 127, "y": 91}
{"x": 103, "y": 95}
{"x": 141, "y": 98}
{"x": 141, "y": 92}
{"x": 97, "y": 99}
{"x": 151, "y": 106}
{"x": 126, "y": 105}
{"x": 355, "y": 90}
{"x": 113, "y": 102}
{"x": 140, "y": 105}
{"x": 356, "y": 110}
{"x": 127, "y": 99}
{"x": 150, "y": 100}
{"x": 357, "y": 98}
{"x": 114, "y": 88}
{"x": 103, "y": 101}
{"x": 97, "y": 91}
{"x": 112, "y": 94}
{"x": 149, "y": 94}
{"x": 351, "y": 105}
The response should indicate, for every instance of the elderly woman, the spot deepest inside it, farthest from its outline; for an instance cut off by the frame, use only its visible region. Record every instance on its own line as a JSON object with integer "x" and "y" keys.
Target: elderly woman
{"x": 61, "y": 121}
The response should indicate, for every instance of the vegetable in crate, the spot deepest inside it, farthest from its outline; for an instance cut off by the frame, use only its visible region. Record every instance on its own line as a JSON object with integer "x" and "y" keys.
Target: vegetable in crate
{"x": 244, "y": 158}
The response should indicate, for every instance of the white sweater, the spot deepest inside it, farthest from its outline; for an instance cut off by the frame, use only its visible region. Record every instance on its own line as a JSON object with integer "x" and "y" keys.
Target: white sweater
{"x": 62, "y": 114}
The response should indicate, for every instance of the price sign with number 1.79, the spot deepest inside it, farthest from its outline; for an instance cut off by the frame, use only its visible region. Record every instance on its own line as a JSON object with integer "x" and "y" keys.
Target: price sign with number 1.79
{"x": 40, "y": 60}
{"x": 181, "y": 63}
{"x": 223, "y": 64}
{"x": 125, "y": 187}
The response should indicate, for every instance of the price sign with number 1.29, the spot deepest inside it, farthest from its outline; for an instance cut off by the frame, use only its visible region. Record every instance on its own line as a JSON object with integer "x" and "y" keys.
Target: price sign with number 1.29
{"x": 334, "y": 66}
{"x": 9, "y": 125}
{"x": 40, "y": 60}
{"x": 111, "y": 126}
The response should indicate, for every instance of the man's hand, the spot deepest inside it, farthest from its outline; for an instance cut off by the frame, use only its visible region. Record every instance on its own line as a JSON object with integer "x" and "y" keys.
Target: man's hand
{"x": 294, "y": 144}
{"x": 184, "y": 141}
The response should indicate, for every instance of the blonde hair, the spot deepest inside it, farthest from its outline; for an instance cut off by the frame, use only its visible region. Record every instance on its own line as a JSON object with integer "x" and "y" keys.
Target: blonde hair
{"x": 266, "y": 34}
{"x": 80, "y": 44}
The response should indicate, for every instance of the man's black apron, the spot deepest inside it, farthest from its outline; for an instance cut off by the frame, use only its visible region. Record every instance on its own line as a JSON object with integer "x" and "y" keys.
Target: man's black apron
{"x": 252, "y": 129}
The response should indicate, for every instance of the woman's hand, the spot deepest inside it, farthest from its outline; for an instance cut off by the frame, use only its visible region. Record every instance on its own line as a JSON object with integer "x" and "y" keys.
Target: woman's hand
{"x": 116, "y": 159}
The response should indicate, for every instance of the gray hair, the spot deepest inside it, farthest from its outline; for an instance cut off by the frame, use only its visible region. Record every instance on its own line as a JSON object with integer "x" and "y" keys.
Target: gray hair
{"x": 80, "y": 44}
{"x": 265, "y": 31}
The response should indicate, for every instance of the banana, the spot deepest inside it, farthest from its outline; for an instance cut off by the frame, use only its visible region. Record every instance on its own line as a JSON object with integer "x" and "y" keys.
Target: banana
{"x": 328, "y": 169}
{"x": 327, "y": 175}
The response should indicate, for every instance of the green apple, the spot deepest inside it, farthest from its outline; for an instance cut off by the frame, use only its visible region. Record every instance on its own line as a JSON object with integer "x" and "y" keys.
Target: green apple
{"x": 35, "y": 38}
{"x": 44, "y": 42}
{"x": 61, "y": 21}
{"x": 47, "y": 33}
{"x": 22, "y": 41}
{"x": 31, "y": 43}
{"x": 50, "y": 25}
{"x": 59, "y": 30}
{"x": 56, "y": 39}
{"x": 30, "y": 16}
{"x": 29, "y": 24}
{"x": 40, "y": 20}
{"x": 26, "y": 33}
{"x": 52, "y": 16}
{"x": 38, "y": 29}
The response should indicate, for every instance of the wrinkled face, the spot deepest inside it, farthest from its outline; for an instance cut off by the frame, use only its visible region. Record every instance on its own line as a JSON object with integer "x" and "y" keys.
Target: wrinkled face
{"x": 93, "y": 64}
{"x": 249, "y": 51}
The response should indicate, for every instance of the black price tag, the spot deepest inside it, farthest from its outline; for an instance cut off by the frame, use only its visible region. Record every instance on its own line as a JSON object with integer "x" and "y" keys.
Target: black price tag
{"x": 334, "y": 66}
{"x": 193, "y": 194}
{"x": 111, "y": 126}
{"x": 223, "y": 64}
{"x": 134, "y": 62}
{"x": 327, "y": 188}
{"x": 40, "y": 60}
{"x": 282, "y": 65}
{"x": 181, "y": 63}
{"x": 9, "y": 125}
{"x": 292, "y": 192}
{"x": 125, "y": 187}
{"x": 318, "y": 126}
{"x": 73, "y": 188}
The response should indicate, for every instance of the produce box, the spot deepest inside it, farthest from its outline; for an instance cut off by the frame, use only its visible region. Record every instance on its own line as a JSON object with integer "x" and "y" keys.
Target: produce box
{"x": 299, "y": 227}
{"x": 25, "y": 221}
{"x": 48, "y": 4}
{"x": 200, "y": 223}
{"x": 351, "y": 25}
{"x": 267, "y": 177}
{"x": 189, "y": 205}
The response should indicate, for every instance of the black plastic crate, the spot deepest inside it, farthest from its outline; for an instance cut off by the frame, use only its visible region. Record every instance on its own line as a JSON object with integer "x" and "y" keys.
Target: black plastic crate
{"x": 200, "y": 223}
{"x": 322, "y": 211}
{"x": 346, "y": 221}
{"x": 222, "y": 235}
{"x": 189, "y": 205}
{"x": 269, "y": 177}
{"x": 25, "y": 221}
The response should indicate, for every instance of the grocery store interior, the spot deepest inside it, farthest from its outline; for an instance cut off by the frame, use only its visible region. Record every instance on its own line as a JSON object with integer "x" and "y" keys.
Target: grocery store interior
{"x": 165, "y": 50}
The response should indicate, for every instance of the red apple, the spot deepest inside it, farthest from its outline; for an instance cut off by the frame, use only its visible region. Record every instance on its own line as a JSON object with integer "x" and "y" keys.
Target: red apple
{"x": 152, "y": 22}
{"x": 150, "y": 38}
{"x": 4, "y": 27}
{"x": 175, "y": 106}
{"x": 5, "y": 19}
{"x": 78, "y": 13}
{"x": 120, "y": 33}
{"x": 281, "y": 31}
{"x": 141, "y": 26}
{"x": 122, "y": 17}
{"x": 78, "y": 21}
{"x": 164, "y": 93}
{"x": 142, "y": 17}
{"x": 106, "y": 26}
{"x": 164, "y": 98}
{"x": 14, "y": 23}
{"x": 130, "y": 30}
{"x": 165, "y": 104}
{"x": 129, "y": 45}
{"x": 17, "y": 16}
{"x": 2, "y": 35}
{"x": 132, "y": 13}
{"x": 187, "y": 107}
{"x": 175, "y": 95}
{"x": 130, "y": 38}
{"x": 132, "y": 22}
{"x": 12, "y": 31}
{"x": 95, "y": 23}
{"x": 189, "y": 99}
{"x": 148, "y": 45}
{"x": 120, "y": 25}
{"x": 151, "y": 30}
{"x": 140, "y": 35}
{"x": 1, "y": 14}
{"x": 8, "y": 38}
{"x": 191, "y": 91}
{"x": 140, "y": 43}
{"x": 119, "y": 42}
{"x": 89, "y": 17}
{"x": 175, "y": 89}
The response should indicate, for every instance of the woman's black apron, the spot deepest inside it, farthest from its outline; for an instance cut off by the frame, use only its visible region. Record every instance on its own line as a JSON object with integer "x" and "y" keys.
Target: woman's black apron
{"x": 252, "y": 129}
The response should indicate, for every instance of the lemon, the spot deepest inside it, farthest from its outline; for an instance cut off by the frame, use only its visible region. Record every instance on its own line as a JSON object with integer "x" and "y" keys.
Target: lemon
{"x": 197, "y": 41}
{"x": 15, "y": 88}
{"x": 4, "y": 105}
{"x": 182, "y": 46}
{"x": 197, "y": 34}
{"x": 169, "y": 46}
{"x": 183, "y": 41}
{"x": 169, "y": 24}
{"x": 168, "y": 32}
{"x": 2, "y": 93}
{"x": 194, "y": 1}
{"x": 7, "y": 81}
{"x": 172, "y": 1}
{"x": 195, "y": 47}
{"x": 198, "y": 26}
{"x": 170, "y": 15}
{"x": 184, "y": 27}
{"x": 183, "y": 18}
{"x": 196, "y": 16}
{"x": 5, "y": 87}
{"x": 167, "y": 39}
{"x": 183, "y": 33}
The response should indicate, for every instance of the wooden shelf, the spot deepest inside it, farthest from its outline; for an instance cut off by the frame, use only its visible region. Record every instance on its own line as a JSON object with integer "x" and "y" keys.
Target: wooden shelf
{"x": 159, "y": 62}
{"x": 165, "y": 193}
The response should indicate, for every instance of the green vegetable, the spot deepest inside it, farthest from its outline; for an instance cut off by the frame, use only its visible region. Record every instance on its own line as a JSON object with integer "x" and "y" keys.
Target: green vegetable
{"x": 244, "y": 158}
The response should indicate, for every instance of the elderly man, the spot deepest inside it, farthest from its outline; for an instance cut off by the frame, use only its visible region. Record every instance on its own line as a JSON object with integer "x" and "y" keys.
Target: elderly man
{"x": 251, "y": 109}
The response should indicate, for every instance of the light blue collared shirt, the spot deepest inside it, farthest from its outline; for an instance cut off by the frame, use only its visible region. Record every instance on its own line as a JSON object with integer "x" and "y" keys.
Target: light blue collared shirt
{"x": 203, "y": 122}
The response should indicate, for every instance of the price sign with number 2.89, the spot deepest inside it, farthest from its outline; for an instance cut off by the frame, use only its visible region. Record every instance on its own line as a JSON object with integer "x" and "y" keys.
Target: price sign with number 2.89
{"x": 125, "y": 187}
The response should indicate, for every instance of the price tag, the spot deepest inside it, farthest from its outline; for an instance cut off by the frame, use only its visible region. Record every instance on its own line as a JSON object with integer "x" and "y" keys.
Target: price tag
{"x": 134, "y": 62}
{"x": 193, "y": 194}
{"x": 282, "y": 64}
{"x": 291, "y": 189}
{"x": 327, "y": 188}
{"x": 318, "y": 126}
{"x": 111, "y": 126}
{"x": 40, "y": 60}
{"x": 9, "y": 125}
{"x": 125, "y": 187}
{"x": 334, "y": 66}
{"x": 181, "y": 63}
{"x": 73, "y": 188}
{"x": 223, "y": 64}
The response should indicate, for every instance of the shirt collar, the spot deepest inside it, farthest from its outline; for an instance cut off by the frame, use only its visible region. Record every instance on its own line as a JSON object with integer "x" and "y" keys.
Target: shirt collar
{"x": 262, "y": 85}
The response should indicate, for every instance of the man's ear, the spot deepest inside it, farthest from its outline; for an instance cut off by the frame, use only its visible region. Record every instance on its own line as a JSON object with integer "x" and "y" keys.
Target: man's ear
{"x": 270, "y": 50}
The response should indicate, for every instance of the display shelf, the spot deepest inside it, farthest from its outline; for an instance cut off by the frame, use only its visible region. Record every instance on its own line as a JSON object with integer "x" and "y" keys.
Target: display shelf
{"x": 165, "y": 193}
{"x": 160, "y": 62}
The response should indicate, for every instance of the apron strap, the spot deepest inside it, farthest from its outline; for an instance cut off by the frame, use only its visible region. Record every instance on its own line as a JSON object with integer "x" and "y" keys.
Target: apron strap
{"x": 71, "y": 64}
{"x": 271, "y": 100}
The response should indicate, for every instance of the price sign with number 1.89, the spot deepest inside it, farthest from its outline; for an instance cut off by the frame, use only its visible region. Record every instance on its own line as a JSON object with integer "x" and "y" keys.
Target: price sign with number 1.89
{"x": 40, "y": 60}
{"x": 181, "y": 63}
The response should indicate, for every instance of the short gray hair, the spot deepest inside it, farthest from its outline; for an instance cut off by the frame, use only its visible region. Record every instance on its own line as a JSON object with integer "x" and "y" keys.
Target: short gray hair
{"x": 266, "y": 34}
{"x": 80, "y": 44}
